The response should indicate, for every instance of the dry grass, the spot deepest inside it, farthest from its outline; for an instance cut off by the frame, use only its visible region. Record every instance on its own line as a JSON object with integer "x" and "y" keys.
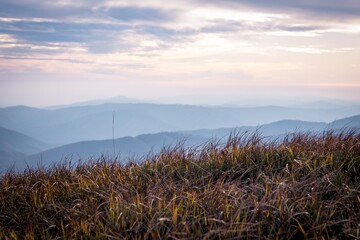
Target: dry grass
{"x": 306, "y": 187}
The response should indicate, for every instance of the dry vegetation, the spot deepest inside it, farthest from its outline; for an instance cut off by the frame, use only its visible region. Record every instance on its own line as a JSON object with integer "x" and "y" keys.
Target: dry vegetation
{"x": 306, "y": 187}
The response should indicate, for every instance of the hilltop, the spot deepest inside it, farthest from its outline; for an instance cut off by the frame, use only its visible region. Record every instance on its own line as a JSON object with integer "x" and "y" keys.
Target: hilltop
{"x": 306, "y": 187}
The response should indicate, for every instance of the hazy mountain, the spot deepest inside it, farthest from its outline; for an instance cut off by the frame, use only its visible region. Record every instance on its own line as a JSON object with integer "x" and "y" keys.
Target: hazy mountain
{"x": 118, "y": 99}
{"x": 273, "y": 129}
{"x": 12, "y": 141}
{"x": 325, "y": 104}
{"x": 350, "y": 122}
{"x": 289, "y": 126}
{"x": 124, "y": 148}
{"x": 74, "y": 124}
{"x": 12, "y": 160}
{"x": 15, "y": 146}
{"x": 143, "y": 144}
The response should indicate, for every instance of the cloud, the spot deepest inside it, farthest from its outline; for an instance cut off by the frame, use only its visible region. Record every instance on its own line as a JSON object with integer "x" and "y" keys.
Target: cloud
{"x": 73, "y": 10}
{"x": 40, "y": 9}
{"x": 329, "y": 9}
{"x": 100, "y": 26}
{"x": 312, "y": 50}
{"x": 135, "y": 13}
{"x": 225, "y": 42}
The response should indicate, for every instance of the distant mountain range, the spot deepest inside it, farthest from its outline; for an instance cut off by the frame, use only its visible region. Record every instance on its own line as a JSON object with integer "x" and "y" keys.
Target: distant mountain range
{"x": 15, "y": 146}
{"x": 12, "y": 141}
{"x": 280, "y": 128}
{"x": 118, "y": 99}
{"x": 82, "y": 123}
{"x": 20, "y": 150}
{"x": 122, "y": 148}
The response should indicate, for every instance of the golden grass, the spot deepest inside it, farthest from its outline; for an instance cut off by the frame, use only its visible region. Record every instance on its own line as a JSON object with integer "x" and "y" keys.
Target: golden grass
{"x": 306, "y": 187}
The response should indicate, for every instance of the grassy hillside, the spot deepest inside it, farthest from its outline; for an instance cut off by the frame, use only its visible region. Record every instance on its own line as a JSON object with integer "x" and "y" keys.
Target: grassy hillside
{"x": 306, "y": 187}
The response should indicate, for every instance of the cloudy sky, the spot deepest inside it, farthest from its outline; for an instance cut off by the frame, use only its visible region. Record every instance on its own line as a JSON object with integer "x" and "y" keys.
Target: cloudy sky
{"x": 200, "y": 51}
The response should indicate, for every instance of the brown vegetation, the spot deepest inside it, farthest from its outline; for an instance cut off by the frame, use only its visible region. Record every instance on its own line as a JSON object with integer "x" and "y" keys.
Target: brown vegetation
{"x": 306, "y": 187}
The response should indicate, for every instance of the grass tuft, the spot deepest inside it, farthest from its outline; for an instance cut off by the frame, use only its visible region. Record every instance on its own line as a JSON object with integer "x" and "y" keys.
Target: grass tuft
{"x": 304, "y": 187}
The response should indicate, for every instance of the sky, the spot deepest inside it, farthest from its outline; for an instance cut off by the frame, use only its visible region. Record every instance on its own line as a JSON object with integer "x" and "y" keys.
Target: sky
{"x": 197, "y": 52}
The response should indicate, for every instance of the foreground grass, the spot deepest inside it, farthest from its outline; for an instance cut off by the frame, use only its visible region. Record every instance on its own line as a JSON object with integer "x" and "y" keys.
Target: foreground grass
{"x": 307, "y": 187}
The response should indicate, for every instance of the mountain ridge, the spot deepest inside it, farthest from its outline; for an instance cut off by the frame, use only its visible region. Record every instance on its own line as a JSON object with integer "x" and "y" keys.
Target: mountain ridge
{"x": 126, "y": 147}
{"x": 12, "y": 141}
{"x": 15, "y": 146}
{"x": 74, "y": 124}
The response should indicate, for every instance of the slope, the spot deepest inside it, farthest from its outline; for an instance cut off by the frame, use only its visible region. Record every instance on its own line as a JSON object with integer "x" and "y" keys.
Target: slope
{"x": 12, "y": 141}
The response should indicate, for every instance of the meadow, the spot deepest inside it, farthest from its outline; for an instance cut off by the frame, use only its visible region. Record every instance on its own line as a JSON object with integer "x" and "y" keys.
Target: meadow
{"x": 305, "y": 186}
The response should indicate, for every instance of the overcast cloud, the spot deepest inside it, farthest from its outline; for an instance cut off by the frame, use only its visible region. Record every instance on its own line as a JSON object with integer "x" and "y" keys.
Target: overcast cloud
{"x": 158, "y": 49}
